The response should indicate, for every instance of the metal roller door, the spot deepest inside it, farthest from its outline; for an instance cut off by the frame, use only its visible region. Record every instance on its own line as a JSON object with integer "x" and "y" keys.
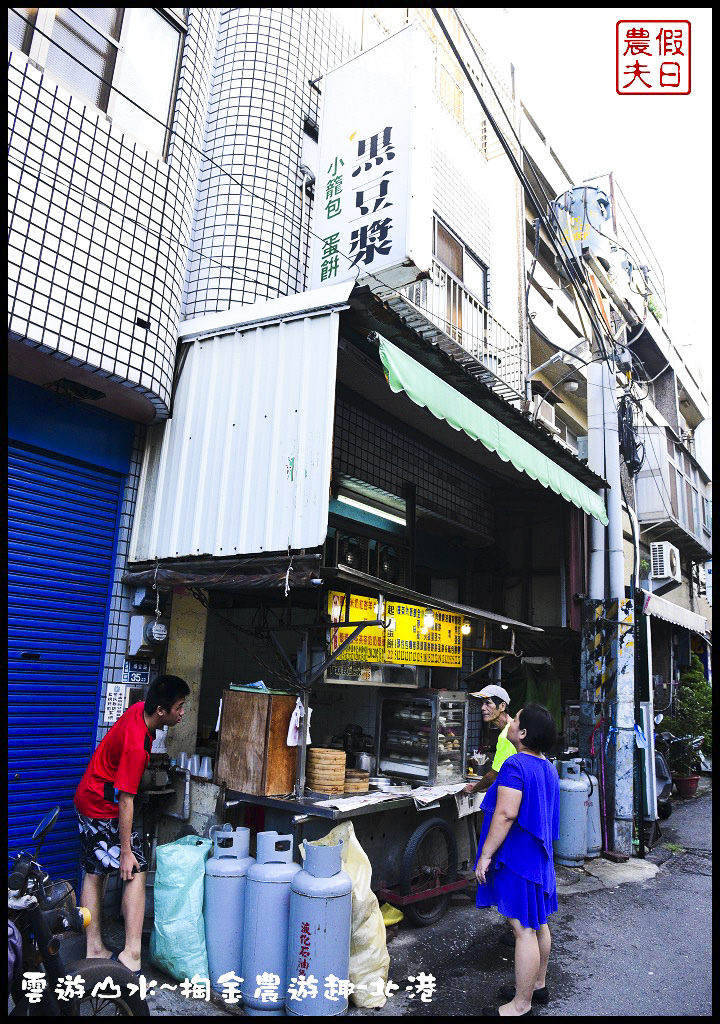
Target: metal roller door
{"x": 62, "y": 536}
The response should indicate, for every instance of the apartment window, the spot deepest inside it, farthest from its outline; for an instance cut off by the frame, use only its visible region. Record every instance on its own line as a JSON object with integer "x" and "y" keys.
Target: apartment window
{"x": 21, "y": 22}
{"x": 685, "y": 489}
{"x": 707, "y": 515}
{"x": 461, "y": 263}
{"x": 123, "y": 60}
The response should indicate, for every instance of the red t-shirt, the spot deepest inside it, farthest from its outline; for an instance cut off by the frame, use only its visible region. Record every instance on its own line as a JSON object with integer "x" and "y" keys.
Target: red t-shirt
{"x": 117, "y": 764}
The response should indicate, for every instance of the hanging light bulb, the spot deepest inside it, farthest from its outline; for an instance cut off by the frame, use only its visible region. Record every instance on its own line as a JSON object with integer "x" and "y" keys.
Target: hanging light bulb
{"x": 429, "y": 619}
{"x": 423, "y": 631}
{"x": 465, "y": 628}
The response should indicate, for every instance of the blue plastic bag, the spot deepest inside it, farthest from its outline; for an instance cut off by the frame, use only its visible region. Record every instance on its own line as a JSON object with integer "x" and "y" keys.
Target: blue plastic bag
{"x": 177, "y": 942}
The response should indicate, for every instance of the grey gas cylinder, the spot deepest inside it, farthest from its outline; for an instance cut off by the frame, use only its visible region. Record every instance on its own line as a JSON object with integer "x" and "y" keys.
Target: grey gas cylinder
{"x": 594, "y": 831}
{"x": 267, "y": 909}
{"x": 224, "y": 909}
{"x": 570, "y": 848}
{"x": 318, "y": 945}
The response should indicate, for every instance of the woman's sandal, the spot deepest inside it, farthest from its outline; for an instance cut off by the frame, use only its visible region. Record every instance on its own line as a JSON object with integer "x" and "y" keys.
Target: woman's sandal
{"x": 540, "y": 996}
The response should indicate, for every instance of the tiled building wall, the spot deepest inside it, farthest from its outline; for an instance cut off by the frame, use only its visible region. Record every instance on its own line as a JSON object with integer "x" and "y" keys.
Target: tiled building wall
{"x": 99, "y": 227}
{"x": 456, "y": 200}
{"x": 119, "y": 616}
{"x": 379, "y": 453}
{"x": 247, "y": 234}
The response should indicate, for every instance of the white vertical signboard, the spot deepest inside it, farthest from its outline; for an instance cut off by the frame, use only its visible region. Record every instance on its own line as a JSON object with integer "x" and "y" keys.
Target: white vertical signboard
{"x": 373, "y": 198}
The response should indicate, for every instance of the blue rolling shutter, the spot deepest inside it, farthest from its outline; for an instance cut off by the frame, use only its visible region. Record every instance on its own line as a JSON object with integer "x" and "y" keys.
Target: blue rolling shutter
{"x": 62, "y": 537}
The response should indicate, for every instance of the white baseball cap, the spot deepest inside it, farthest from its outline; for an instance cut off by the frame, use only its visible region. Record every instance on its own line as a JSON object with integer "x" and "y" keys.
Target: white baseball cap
{"x": 493, "y": 691}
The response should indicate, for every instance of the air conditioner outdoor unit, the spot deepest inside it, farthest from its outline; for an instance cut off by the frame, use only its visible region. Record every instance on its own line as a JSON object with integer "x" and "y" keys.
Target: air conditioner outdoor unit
{"x": 665, "y": 561}
{"x": 544, "y": 415}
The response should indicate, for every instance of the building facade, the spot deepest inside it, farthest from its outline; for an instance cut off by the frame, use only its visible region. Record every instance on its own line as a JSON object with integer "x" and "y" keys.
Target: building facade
{"x": 200, "y": 400}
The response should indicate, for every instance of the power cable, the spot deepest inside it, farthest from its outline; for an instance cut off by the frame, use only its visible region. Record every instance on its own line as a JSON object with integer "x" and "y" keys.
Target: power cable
{"x": 571, "y": 273}
{"x": 654, "y": 476}
{"x": 568, "y": 267}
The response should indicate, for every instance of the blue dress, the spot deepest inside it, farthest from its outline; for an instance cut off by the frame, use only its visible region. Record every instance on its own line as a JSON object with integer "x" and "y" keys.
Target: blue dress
{"x": 520, "y": 881}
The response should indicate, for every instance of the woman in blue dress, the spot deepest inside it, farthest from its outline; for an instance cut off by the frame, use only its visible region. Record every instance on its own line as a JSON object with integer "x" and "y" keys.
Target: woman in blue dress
{"x": 514, "y": 867}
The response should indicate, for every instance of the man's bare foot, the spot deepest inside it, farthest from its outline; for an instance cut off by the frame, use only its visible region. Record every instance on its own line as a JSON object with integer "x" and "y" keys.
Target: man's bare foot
{"x": 132, "y": 963}
{"x": 99, "y": 954}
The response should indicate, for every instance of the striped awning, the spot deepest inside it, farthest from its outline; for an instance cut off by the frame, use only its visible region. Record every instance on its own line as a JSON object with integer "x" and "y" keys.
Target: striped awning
{"x": 663, "y": 609}
{"x": 429, "y": 391}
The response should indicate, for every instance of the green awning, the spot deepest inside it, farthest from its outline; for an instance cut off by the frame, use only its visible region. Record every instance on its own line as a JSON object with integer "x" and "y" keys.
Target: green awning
{"x": 428, "y": 391}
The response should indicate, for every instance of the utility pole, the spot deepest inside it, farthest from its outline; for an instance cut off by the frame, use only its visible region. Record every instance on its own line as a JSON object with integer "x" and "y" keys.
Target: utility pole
{"x": 608, "y": 663}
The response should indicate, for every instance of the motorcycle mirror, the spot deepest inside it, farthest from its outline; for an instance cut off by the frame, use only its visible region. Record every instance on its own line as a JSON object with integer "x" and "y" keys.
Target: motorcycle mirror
{"x": 44, "y": 827}
{"x": 659, "y": 718}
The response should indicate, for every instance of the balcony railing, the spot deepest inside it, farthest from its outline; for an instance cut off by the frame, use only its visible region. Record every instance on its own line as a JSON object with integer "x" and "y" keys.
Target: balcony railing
{"x": 465, "y": 320}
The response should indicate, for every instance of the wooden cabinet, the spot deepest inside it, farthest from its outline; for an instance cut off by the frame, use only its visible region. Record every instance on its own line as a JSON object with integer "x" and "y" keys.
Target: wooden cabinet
{"x": 253, "y": 755}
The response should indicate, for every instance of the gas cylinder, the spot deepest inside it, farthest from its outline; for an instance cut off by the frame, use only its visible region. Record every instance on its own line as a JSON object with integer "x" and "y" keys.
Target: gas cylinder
{"x": 319, "y": 933}
{"x": 594, "y": 833}
{"x": 571, "y": 846}
{"x": 225, "y": 883}
{"x": 267, "y": 909}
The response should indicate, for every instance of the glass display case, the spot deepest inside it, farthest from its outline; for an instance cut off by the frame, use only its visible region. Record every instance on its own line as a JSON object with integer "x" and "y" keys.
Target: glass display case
{"x": 422, "y": 736}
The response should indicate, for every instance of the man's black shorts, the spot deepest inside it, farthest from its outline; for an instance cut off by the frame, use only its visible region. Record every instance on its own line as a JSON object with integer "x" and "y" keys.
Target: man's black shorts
{"x": 100, "y": 842}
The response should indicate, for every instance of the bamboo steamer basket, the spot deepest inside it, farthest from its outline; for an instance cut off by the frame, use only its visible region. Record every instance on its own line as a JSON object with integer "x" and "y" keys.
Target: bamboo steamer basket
{"x": 356, "y": 781}
{"x": 325, "y": 770}
{"x": 325, "y": 756}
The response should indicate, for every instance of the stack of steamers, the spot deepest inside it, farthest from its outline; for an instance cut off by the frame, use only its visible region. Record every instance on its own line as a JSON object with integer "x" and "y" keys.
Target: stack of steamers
{"x": 283, "y": 929}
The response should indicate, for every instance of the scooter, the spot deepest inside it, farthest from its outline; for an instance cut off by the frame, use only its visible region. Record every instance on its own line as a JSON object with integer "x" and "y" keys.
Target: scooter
{"x": 662, "y": 771}
{"x": 664, "y": 785}
{"x": 38, "y": 911}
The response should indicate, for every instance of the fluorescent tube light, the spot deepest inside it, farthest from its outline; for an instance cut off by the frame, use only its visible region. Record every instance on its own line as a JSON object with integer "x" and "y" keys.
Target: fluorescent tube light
{"x": 371, "y": 509}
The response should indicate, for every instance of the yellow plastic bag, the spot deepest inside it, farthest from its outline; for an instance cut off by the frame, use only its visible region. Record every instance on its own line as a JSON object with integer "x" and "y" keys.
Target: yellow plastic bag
{"x": 369, "y": 958}
{"x": 391, "y": 915}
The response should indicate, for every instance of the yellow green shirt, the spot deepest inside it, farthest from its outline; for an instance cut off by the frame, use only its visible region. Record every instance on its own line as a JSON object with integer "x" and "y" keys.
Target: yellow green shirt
{"x": 504, "y": 749}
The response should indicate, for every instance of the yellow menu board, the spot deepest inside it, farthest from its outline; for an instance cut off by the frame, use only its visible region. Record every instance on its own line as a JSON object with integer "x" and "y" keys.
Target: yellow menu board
{"x": 369, "y": 646}
{"x": 402, "y": 645}
{"x": 406, "y": 645}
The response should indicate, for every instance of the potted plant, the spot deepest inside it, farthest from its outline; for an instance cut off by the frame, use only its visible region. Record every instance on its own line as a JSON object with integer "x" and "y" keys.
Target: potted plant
{"x": 691, "y": 726}
{"x": 684, "y": 763}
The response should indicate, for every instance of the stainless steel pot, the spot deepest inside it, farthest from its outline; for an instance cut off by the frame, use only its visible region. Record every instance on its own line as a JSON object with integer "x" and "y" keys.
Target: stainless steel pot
{"x": 365, "y": 762}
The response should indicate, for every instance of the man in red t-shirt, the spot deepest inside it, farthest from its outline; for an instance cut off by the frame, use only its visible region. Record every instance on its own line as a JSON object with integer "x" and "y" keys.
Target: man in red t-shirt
{"x": 104, "y": 801}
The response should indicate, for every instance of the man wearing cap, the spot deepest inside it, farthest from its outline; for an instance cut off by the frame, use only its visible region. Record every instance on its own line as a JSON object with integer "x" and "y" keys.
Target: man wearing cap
{"x": 495, "y": 702}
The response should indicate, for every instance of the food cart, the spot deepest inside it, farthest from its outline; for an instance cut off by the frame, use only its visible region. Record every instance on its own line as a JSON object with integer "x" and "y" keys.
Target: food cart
{"x": 420, "y": 833}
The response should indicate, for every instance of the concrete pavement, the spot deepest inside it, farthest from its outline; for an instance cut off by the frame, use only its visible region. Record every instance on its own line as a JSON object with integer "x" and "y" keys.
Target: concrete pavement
{"x": 630, "y": 939}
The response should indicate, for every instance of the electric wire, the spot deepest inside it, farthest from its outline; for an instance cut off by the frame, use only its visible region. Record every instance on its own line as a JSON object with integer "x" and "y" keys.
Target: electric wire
{"x": 521, "y": 174}
{"x": 195, "y": 254}
{"x": 174, "y": 132}
{"x": 294, "y": 220}
{"x": 571, "y": 273}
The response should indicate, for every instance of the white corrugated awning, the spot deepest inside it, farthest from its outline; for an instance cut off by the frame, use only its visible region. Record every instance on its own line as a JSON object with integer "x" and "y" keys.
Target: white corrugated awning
{"x": 244, "y": 464}
{"x": 663, "y": 609}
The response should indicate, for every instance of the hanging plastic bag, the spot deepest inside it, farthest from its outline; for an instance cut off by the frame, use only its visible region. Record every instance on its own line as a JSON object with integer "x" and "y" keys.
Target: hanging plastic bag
{"x": 369, "y": 958}
{"x": 177, "y": 942}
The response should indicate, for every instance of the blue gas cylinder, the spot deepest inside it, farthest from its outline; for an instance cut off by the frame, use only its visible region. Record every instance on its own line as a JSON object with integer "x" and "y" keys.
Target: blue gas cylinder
{"x": 318, "y": 947}
{"x": 267, "y": 909}
{"x": 224, "y": 908}
{"x": 570, "y": 848}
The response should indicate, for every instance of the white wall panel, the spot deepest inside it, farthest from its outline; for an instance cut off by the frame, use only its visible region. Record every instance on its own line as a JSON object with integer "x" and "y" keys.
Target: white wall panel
{"x": 244, "y": 464}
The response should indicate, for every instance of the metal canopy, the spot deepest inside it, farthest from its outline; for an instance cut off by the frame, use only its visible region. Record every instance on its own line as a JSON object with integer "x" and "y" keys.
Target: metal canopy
{"x": 371, "y": 313}
{"x": 429, "y": 391}
{"x": 345, "y": 576}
